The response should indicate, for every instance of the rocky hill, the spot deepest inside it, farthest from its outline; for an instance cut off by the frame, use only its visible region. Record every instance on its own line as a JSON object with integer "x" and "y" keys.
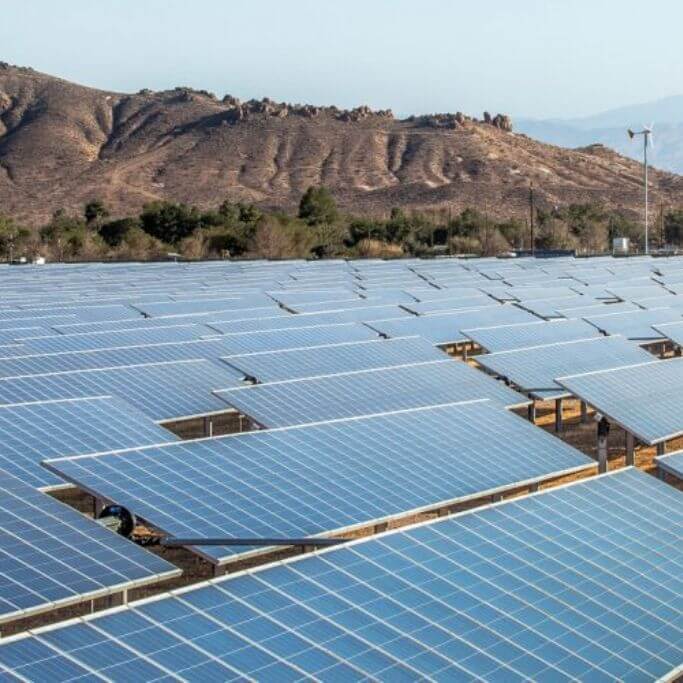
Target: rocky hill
{"x": 62, "y": 144}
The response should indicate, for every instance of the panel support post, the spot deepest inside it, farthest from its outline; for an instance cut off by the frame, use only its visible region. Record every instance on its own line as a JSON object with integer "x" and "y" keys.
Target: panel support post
{"x": 531, "y": 412}
{"x": 584, "y": 412}
{"x": 603, "y": 433}
{"x": 630, "y": 450}
{"x": 661, "y": 448}
{"x": 208, "y": 426}
{"x": 534, "y": 488}
{"x": 558, "y": 415}
{"x": 97, "y": 507}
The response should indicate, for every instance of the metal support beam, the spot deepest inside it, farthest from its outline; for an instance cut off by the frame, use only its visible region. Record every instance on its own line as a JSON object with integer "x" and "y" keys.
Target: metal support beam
{"x": 379, "y": 528}
{"x": 661, "y": 448}
{"x": 630, "y": 449}
{"x": 584, "y": 412}
{"x": 534, "y": 488}
{"x": 496, "y": 497}
{"x": 208, "y": 426}
{"x": 558, "y": 415}
{"x": 531, "y": 412}
{"x": 97, "y": 507}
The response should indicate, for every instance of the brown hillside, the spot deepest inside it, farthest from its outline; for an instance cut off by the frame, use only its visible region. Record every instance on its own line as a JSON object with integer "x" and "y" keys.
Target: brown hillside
{"x": 62, "y": 144}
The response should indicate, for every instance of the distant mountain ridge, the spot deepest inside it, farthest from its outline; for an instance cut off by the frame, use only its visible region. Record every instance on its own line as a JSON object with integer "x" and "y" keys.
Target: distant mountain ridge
{"x": 609, "y": 128}
{"x": 63, "y": 144}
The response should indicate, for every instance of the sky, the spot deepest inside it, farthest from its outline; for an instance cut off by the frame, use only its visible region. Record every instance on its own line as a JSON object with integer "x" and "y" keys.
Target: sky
{"x": 536, "y": 58}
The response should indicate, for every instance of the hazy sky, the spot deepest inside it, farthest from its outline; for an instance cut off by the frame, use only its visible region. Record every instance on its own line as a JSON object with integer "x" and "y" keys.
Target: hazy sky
{"x": 540, "y": 58}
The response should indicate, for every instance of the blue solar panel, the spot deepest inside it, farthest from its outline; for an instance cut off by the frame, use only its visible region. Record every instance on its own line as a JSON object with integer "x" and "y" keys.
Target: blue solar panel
{"x": 444, "y": 305}
{"x": 442, "y": 329}
{"x": 328, "y": 360}
{"x": 596, "y": 308}
{"x": 36, "y": 364}
{"x": 672, "y": 331}
{"x": 111, "y": 339}
{"x": 253, "y": 305}
{"x": 302, "y": 401}
{"x": 273, "y": 340}
{"x": 538, "y": 588}
{"x": 32, "y": 432}
{"x": 268, "y": 484}
{"x": 646, "y": 399}
{"x": 535, "y": 369}
{"x": 671, "y": 463}
{"x": 291, "y": 320}
{"x": 53, "y": 556}
{"x": 163, "y": 391}
{"x": 10, "y": 336}
{"x": 507, "y": 337}
{"x": 636, "y": 325}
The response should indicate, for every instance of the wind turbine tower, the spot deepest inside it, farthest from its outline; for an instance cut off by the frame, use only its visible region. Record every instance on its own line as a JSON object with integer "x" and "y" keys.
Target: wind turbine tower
{"x": 647, "y": 140}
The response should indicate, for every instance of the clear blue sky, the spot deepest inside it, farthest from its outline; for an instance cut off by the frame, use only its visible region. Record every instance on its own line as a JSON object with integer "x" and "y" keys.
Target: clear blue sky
{"x": 541, "y": 58}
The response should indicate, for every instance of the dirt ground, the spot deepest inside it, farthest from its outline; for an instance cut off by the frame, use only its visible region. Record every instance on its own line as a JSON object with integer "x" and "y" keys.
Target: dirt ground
{"x": 580, "y": 435}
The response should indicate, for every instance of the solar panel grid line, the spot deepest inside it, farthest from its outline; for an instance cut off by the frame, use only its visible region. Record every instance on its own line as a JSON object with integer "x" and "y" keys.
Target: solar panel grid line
{"x": 236, "y": 596}
{"x": 420, "y": 472}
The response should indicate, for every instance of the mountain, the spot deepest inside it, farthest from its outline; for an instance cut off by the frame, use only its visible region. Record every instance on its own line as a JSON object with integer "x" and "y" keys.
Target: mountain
{"x": 609, "y": 128}
{"x": 62, "y": 144}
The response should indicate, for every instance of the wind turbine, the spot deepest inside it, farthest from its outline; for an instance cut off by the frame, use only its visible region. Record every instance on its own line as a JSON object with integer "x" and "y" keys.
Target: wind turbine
{"x": 647, "y": 140}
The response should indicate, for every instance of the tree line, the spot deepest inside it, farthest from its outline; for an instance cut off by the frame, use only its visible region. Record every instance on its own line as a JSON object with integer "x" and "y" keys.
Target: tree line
{"x": 319, "y": 229}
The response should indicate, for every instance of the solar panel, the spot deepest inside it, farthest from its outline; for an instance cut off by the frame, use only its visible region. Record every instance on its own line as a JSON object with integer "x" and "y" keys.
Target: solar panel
{"x": 36, "y": 364}
{"x": 535, "y": 369}
{"x": 645, "y": 399}
{"x": 363, "y": 314}
{"x": 301, "y": 401}
{"x": 596, "y": 308}
{"x": 162, "y": 391}
{"x": 672, "y": 463}
{"x": 111, "y": 339}
{"x": 335, "y": 358}
{"x": 258, "y": 305}
{"x": 537, "y": 588}
{"x": 636, "y": 325}
{"x": 672, "y": 331}
{"x": 442, "y": 329}
{"x": 455, "y": 304}
{"x": 507, "y": 337}
{"x": 10, "y": 336}
{"x": 547, "y": 308}
{"x": 32, "y": 432}
{"x": 53, "y": 556}
{"x": 274, "y": 340}
{"x": 304, "y": 481}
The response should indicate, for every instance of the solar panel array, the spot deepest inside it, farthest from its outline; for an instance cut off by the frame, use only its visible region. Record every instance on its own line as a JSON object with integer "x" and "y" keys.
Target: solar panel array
{"x": 535, "y": 369}
{"x": 276, "y": 366}
{"x": 645, "y": 399}
{"x": 301, "y": 401}
{"x": 162, "y": 391}
{"x": 53, "y": 556}
{"x": 32, "y": 432}
{"x": 539, "y": 588}
{"x": 447, "y": 328}
{"x": 299, "y": 482}
{"x": 366, "y": 421}
{"x": 507, "y": 337}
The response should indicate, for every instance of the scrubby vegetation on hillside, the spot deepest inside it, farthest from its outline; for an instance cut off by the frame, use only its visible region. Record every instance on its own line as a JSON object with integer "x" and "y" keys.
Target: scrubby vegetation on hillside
{"x": 318, "y": 230}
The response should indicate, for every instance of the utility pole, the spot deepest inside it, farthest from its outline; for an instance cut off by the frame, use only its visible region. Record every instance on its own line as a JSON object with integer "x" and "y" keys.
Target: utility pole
{"x": 647, "y": 135}
{"x": 531, "y": 218}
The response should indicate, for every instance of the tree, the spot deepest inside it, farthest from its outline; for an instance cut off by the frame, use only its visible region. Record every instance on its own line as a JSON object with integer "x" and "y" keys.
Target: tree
{"x": 114, "y": 232}
{"x": 673, "y": 227}
{"x": 94, "y": 211}
{"x": 318, "y": 206}
{"x": 169, "y": 222}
